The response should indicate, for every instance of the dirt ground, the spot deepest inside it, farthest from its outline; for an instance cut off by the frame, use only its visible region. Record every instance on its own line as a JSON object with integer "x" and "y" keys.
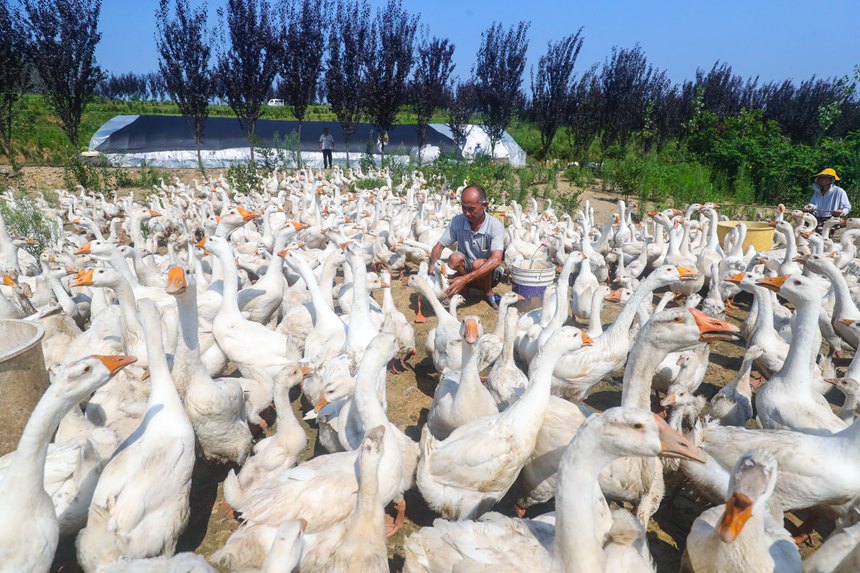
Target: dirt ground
{"x": 409, "y": 398}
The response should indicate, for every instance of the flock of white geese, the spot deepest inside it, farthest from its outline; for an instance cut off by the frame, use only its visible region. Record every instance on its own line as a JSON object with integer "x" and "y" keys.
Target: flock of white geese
{"x": 173, "y": 321}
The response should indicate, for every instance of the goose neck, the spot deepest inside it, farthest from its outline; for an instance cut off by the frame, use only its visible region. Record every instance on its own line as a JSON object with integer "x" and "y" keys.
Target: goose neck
{"x": 797, "y": 368}
{"x": 577, "y": 546}
{"x": 366, "y": 395}
{"x": 645, "y": 358}
{"x": 26, "y": 472}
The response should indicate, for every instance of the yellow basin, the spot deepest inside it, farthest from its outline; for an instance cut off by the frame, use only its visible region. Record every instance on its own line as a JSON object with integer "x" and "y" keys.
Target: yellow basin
{"x": 759, "y": 235}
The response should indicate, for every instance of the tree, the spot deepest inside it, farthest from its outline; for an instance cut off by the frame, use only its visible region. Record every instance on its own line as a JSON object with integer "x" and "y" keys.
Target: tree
{"x": 183, "y": 43}
{"x": 551, "y": 86}
{"x": 344, "y": 75}
{"x": 247, "y": 69}
{"x": 432, "y": 76}
{"x": 625, "y": 80}
{"x": 582, "y": 112}
{"x": 64, "y": 38}
{"x": 498, "y": 75}
{"x": 14, "y": 71}
{"x": 460, "y": 110}
{"x": 305, "y": 25}
{"x": 388, "y": 60}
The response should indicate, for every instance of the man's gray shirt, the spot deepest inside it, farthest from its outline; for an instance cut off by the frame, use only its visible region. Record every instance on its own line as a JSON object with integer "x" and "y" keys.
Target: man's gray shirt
{"x": 490, "y": 237}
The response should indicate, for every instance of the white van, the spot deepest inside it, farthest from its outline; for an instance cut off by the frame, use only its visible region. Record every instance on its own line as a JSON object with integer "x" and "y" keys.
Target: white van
{"x": 276, "y": 102}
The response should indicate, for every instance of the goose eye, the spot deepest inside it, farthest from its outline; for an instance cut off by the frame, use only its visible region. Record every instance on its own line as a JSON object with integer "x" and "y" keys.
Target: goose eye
{"x": 638, "y": 426}
{"x": 679, "y": 319}
{"x": 87, "y": 369}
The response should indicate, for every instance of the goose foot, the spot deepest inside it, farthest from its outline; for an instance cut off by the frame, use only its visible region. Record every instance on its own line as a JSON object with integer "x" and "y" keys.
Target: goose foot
{"x": 419, "y": 317}
{"x": 802, "y": 533}
{"x": 393, "y": 366}
{"x": 519, "y": 511}
{"x": 393, "y": 524}
{"x": 264, "y": 425}
{"x": 226, "y": 511}
{"x": 756, "y": 379}
{"x": 730, "y": 304}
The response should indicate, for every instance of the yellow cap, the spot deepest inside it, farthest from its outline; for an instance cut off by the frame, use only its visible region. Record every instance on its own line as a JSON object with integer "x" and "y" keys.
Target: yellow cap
{"x": 829, "y": 172}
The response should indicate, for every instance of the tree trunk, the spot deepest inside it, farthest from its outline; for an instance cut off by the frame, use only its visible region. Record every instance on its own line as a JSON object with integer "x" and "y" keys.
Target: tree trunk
{"x": 299, "y": 146}
{"x": 199, "y": 156}
{"x": 252, "y": 129}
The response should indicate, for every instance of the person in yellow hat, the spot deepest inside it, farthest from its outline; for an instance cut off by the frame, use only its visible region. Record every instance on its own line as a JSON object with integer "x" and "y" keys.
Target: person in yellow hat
{"x": 828, "y": 199}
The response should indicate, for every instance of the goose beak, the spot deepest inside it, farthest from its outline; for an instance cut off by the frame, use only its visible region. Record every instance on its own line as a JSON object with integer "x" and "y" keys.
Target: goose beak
{"x": 283, "y": 253}
{"x": 321, "y": 403}
{"x": 651, "y": 213}
{"x": 84, "y": 278}
{"x": 736, "y": 279}
{"x": 306, "y": 370}
{"x": 614, "y": 296}
{"x": 668, "y": 400}
{"x": 712, "y": 329}
{"x": 799, "y": 259}
{"x": 115, "y": 363}
{"x": 176, "y": 281}
{"x": 674, "y": 445}
{"x": 9, "y": 281}
{"x": 201, "y": 243}
{"x": 85, "y": 250}
{"x": 687, "y": 274}
{"x": 833, "y": 381}
{"x": 586, "y": 340}
{"x": 846, "y": 321}
{"x": 444, "y": 269}
{"x": 299, "y": 226}
{"x": 676, "y": 211}
{"x": 470, "y": 330}
{"x": 738, "y": 511}
{"x": 384, "y": 285}
{"x": 247, "y": 215}
{"x": 772, "y": 283}
{"x": 154, "y": 213}
{"x": 772, "y": 224}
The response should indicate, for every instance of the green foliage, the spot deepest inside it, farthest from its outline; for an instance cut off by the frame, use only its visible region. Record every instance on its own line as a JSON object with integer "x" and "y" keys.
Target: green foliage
{"x": 370, "y": 183}
{"x": 567, "y": 202}
{"x": 579, "y": 175}
{"x": 451, "y": 171}
{"x": 245, "y": 177}
{"x": 25, "y": 218}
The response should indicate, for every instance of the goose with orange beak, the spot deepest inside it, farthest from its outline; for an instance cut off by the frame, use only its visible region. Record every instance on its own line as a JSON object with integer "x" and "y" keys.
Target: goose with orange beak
{"x": 742, "y": 535}
{"x": 789, "y": 399}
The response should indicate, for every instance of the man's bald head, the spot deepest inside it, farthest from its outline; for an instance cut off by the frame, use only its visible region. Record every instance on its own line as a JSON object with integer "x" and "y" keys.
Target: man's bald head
{"x": 473, "y": 193}
{"x": 472, "y": 200}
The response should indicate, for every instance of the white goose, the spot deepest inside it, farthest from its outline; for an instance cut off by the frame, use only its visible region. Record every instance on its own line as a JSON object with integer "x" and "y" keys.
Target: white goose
{"x": 494, "y": 447}
{"x": 22, "y": 485}
{"x": 585, "y": 538}
{"x": 742, "y": 535}
{"x": 140, "y": 505}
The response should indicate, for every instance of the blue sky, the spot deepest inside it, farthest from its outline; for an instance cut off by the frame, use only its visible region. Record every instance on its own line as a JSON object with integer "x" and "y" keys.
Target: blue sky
{"x": 775, "y": 40}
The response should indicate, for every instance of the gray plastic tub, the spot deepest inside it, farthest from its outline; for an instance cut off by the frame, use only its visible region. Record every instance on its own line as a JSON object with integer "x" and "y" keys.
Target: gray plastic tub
{"x": 23, "y": 378}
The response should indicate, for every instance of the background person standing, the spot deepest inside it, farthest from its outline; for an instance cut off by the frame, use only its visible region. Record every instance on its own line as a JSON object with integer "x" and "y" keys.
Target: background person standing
{"x": 326, "y": 146}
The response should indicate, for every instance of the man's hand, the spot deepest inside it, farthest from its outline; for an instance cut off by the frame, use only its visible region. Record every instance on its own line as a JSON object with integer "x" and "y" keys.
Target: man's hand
{"x": 838, "y": 212}
{"x": 809, "y": 207}
{"x": 456, "y": 285}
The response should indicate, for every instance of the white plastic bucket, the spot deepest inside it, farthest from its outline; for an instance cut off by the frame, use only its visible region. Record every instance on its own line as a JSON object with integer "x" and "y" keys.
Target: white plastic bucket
{"x": 530, "y": 279}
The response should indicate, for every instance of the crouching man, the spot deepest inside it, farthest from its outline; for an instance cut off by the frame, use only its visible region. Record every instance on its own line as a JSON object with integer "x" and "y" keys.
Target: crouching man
{"x": 480, "y": 239}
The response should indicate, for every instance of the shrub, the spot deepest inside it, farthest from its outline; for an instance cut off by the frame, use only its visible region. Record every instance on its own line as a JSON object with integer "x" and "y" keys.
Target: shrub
{"x": 370, "y": 183}
{"x": 25, "y": 218}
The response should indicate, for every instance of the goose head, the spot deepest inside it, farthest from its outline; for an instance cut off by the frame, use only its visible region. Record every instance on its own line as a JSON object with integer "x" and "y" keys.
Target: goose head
{"x": 179, "y": 281}
{"x": 77, "y": 380}
{"x": 471, "y": 329}
{"x": 97, "y": 276}
{"x": 751, "y": 485}
{"x": 636, "y": 432}
{"x": 796, "y": 288}
{"x": 679, "y": 328}
{"x": 848, "y": 386}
